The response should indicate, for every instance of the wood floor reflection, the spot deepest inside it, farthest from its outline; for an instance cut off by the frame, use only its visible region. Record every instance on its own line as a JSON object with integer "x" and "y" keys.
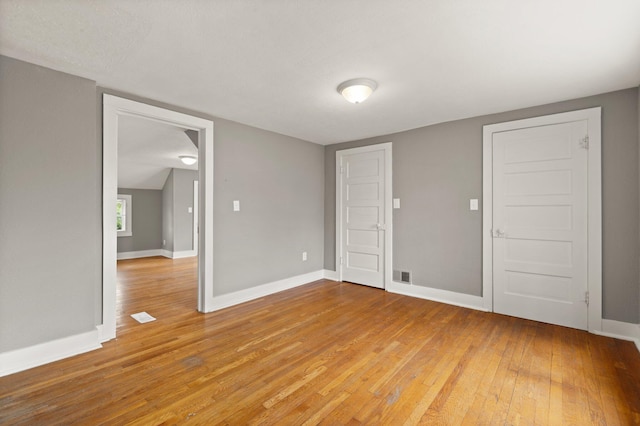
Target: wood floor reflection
{"x": 326, "y": 352}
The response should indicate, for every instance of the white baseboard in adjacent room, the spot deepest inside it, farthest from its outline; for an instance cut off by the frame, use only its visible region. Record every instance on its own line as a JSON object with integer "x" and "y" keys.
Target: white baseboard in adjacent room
{"x": 181, "y": 254}
{"x": 140, "y": 253}
{"x": 241, "y": 296}
{"x": 44, "y": 353}
{"x": 330, "y": 275}
{"x": 621, "y": 330}
{"x": 437, "y": 295}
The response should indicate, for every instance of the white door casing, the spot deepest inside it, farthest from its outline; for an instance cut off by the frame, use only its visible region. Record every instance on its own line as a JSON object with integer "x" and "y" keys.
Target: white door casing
{"x": 540, "y": 223}
{"x": 542, "y": 227}
{"x": 113, "y": 108}
{"x": 363, "y": 215}
{"x": 195, "y": 217}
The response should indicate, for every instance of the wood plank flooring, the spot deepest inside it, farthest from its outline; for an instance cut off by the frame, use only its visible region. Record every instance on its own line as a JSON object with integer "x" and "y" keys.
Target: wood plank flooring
{"x": 324, "y": 353}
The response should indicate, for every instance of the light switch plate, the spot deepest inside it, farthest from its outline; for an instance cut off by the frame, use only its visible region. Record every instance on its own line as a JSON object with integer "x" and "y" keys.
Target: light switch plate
{"x": 236, "y": 205}
{"x": 396, "y": 203}
{"x": 473, "y": 204}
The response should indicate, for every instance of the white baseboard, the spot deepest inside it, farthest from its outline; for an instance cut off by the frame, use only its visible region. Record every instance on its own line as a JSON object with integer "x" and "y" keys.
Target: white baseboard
{"x": 103, "y": 336}
{"x": 158, "y": 252}
{"x": 438, "y": 295}
{"x": 241, "y": 296}
{"x": 330, "y": 275}
{"x": 140, "y": 253}
{"x": 44, "y": 353}
{"x": 620, "y": 330}
{"x": 181, "y": 254}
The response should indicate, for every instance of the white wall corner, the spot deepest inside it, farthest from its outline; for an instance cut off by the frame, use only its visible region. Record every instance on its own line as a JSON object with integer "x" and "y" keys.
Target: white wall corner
{"x": 44, "y": 353}
{"x": 438, "y": 295}
{"x": 241, "y": 296}
{"x": 620, "y": 330}
{"x": 330, "y": 275}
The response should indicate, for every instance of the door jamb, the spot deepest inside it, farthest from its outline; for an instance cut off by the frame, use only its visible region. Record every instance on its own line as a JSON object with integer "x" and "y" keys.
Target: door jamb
{"x": 388, "y": 208}
{"x": 594, "y": 204}
{"x": 113, "y": 108}
{"x": 195, "y": 217}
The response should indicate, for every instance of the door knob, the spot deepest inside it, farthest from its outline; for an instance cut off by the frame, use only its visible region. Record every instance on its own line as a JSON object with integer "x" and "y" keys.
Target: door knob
{"x": 499, "y": 233}
{"x": 379, "y": 226}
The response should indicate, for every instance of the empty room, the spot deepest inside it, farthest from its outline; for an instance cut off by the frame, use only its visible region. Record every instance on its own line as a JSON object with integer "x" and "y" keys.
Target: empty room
{"x": 303, "y": 212}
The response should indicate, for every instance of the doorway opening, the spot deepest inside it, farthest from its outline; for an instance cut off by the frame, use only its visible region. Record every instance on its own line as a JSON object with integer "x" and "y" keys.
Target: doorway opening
{"x": 115, "y": 109}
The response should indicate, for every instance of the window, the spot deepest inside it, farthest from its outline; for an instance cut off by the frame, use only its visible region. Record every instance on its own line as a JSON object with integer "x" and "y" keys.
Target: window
{"x": 123, "y": 215}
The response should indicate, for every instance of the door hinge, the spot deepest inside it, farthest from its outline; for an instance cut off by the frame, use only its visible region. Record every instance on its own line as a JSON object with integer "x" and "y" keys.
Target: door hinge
{"x": 584, "y": 142}
{"x": 341, "y": 170}
{"x": 586, "y": 297}
{"x": 341, "y": 260}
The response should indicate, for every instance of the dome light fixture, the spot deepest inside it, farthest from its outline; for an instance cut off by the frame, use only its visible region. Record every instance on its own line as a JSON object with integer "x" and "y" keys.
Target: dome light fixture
{"x": 189, "y": 160}
{"x": 357, "y": 90}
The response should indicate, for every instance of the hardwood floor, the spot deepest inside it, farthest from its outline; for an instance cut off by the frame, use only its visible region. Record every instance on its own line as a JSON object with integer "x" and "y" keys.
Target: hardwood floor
{"x": 329, "y": 353}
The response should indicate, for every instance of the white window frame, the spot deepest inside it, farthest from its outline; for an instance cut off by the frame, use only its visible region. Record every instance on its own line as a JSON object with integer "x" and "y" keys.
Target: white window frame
{"x": 128, "y": 210}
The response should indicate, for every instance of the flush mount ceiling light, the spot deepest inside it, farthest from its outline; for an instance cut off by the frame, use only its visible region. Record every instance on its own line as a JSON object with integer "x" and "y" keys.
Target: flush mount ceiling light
{"x": 357, "y": 90}
{"x": 189, "y": 160}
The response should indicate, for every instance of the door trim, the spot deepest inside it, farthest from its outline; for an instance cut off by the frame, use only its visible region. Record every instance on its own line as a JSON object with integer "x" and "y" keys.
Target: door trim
{"x": 195, "y": 217}
{"x": 594, "y": 204}
{"x": 388, "y": 208}
{"x": 113, "y": 108}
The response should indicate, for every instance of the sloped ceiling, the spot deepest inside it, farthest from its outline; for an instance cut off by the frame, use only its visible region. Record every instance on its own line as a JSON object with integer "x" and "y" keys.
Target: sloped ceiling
{"x": 148, "y": 150}
{"x": 276, "y": 64}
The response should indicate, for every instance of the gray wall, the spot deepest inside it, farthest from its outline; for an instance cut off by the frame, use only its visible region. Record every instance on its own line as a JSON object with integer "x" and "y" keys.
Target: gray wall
{"x": 50, "y": 218}
{"x": 177, "y": 222}
{"x": 279, "y": 182}
{"x": 146, "y": 220}
{"x": 437, "y": 169}
{"x": 167, "y": 213}
{"x": 182, "y": 200}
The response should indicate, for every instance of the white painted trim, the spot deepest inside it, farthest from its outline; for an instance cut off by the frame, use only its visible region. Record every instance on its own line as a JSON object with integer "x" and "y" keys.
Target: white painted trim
{"x": 330, "y": 275}
{"x": 182, "y": 254}
{"x": 438, "y": 295}
{"x": 44, "y": 353}
{"x": 113, "y": 108}
{"x": 388, "y": 207}
{"x": 241, "y": 296}
{"x": 194, "y": 217}
{"x": 594, "y": 177}
{"x": 128, "y": 216}
{"x": 620, "y": 330}
{"x": 157, "y": 252}
{"x": 139, "y": 254}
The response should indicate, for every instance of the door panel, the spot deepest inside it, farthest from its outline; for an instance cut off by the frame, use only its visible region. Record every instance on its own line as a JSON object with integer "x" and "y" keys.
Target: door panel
{"x": 363, "y": 218}
{"x": 540, "y": 223}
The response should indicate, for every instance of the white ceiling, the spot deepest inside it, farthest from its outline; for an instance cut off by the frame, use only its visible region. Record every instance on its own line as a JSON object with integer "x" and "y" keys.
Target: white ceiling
{"x": 276, "y": 64}
{"x": 148, "y": 150}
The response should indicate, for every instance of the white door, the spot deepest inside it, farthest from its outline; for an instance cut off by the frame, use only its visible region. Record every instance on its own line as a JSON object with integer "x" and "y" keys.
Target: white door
{"x": 364, "y": 218}
{"x": 540, "y": 256}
